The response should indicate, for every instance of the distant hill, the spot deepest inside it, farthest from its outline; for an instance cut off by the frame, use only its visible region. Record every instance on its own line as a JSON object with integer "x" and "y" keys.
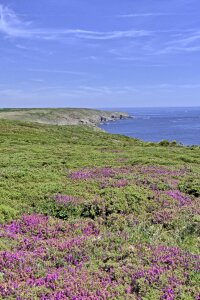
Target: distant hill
{"x": 61, "y": 116}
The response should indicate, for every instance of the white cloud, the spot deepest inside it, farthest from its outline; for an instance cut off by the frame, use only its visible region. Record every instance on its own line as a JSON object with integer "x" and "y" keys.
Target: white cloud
{"x": 185, "y": 40}
{"x": 57, "y": 71}
{"x": 12, "y": 26}
{"x": 178, "y": 49}
{"x": 150, "y": 14}
{"x": 188, "y": 42}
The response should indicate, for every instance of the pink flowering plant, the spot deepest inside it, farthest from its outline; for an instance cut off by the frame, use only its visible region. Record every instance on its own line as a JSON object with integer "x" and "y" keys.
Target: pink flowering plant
{"x": 89, "y": 216}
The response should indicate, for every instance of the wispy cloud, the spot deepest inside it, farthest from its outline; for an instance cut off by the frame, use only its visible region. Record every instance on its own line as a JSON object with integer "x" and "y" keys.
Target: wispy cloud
{"x": 12, "y": 26}
{"x": 178, "y": 49}
{"x": 38, "y": 80}
{"x": 34, "y": 49}
{"x": 193, "y": 36}
{"x": 56, "y": 71}
{"x": 149, "y": 14}
{"x": 90, "y": 91}
{"x": 188, "y": 42}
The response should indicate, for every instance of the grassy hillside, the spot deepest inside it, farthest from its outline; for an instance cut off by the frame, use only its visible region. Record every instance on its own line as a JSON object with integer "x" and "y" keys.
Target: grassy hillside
{"x": 60, "y": 116}
{"x": 89, "y": 215}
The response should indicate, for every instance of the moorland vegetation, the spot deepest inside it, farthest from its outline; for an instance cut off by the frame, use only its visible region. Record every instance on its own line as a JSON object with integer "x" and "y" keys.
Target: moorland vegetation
{"x": 89, "y": 215}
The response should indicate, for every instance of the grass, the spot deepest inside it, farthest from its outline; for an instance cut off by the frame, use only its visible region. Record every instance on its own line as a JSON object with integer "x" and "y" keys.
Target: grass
{"x": 60, "y": 116}
{"x": 135, "y": 205}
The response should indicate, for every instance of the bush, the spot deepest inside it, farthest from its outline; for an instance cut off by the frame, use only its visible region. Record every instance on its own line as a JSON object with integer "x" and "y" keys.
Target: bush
{"x": 7, "y": 213}
{"x": 164, "y": 143}
{"x": 168, "y": 143}
{"x": 190, "y": 186}
{"x": 59, "y": 210}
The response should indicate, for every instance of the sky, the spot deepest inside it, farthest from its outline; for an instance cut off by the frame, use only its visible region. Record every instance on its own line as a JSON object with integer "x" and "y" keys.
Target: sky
{"x": 99, "y": 53}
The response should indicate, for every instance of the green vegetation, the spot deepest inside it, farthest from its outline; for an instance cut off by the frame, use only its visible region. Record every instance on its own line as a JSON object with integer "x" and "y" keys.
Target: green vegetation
{"x": 89, "y": 215}
{"x": 61, "y": 116}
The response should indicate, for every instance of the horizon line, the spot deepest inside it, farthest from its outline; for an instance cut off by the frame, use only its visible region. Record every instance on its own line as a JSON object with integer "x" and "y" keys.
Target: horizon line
{"x": 98, "y": 108}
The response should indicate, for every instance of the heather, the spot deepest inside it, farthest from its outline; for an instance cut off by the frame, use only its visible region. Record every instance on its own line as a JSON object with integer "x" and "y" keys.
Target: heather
{"x": 88, "y": 215}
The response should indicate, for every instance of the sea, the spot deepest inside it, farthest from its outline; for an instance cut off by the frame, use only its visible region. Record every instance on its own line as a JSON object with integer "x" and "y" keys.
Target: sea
{"x": 155, "y": 124}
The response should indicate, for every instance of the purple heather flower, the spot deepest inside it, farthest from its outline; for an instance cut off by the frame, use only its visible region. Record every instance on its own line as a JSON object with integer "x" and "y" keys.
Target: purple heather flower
{"x": 65, "y": 199}
{"x": 179, "y": 197}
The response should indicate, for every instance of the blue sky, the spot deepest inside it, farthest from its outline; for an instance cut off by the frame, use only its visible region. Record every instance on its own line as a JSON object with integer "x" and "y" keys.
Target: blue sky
{"x": 98, "y": 53}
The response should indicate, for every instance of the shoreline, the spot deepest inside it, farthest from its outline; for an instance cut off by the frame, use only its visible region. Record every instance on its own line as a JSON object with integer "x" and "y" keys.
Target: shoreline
{"x": 156, "y": 125}
{"x": 63, "y": 116}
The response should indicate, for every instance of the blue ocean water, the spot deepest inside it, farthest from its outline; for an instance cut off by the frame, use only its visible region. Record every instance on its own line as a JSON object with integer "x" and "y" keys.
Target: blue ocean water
{"x": 155, "y": 124}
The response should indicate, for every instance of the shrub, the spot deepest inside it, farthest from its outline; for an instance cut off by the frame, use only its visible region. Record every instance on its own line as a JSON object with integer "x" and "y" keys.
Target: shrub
{"x": 60, "y": 209}
{"x": 7, "y": 213}
{"x": 164, "y": 143}
{"x": 190, "y": 186}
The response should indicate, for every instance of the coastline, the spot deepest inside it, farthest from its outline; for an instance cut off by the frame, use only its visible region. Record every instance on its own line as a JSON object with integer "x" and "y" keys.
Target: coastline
{"x": 63, "y": 116}
{"x": 71, "y": 188}
{"x": 160, "y": 124}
